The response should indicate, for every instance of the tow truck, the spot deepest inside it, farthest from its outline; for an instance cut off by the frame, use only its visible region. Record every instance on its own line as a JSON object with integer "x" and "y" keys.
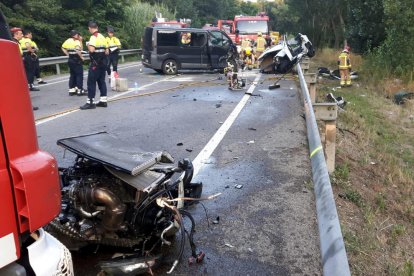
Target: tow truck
{"x": 29, "y": 179}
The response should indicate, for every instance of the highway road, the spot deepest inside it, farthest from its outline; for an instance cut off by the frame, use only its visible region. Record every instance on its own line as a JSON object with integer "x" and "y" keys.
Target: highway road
{"x": 268, "y": 227}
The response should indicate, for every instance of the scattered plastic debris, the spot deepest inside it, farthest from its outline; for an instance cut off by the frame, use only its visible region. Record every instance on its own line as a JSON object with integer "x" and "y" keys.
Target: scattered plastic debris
{"x": 195, "y": 99}
{"x": 218, "y": 105}
{"x": 227, "y": 186}
{"x": 402, "y": 96}
{"x": 229, "y": 245}
{"x": 180, "y": 144}
{"x": 189, "y": 150}
{"x": 250, "y": 250}
{"x": 238, "y": 186}
{"x": 217, "y": 220}
{"x": 221, "y": 123}
{"x": 373, "y": 163}
{"x": 250, "y": 142}
{"x": 251, "y": 128}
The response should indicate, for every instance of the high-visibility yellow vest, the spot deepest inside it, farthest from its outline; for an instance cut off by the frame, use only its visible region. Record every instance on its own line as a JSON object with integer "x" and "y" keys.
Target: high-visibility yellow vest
{"x": 344, "y": 61}
{"x": 23, "y": 44}
{"x": 260, "y": 44}
{"x": 113, "y": 43}
{"x": 245, "y": 43}
{"x": 72, "y": 46}
{"x": 100, "y": 44}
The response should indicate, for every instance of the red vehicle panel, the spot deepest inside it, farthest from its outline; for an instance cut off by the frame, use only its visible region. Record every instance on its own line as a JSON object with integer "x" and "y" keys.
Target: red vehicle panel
{"x": 34, "y": 174}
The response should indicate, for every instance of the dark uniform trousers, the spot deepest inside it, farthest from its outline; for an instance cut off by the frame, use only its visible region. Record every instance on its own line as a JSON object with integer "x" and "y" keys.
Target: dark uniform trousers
{"x": 29, "y": 66}
{"x": 113, "y": 59}
{"x": 96, "y": 75}
{"x": 76, "y": 74}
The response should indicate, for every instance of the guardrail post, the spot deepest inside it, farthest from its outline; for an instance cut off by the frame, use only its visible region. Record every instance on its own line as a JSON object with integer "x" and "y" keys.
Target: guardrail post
{"x": 311, "y": 80}
{"x": 57, "y": 69}
{"x": 305, "y": 65}
{"x": 122, "y": 58}
{"x": 328, "y": 112}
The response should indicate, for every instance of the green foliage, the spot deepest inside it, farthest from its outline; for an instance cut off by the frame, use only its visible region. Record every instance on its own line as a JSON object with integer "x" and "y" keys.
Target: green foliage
{"x": 137, "y": 16}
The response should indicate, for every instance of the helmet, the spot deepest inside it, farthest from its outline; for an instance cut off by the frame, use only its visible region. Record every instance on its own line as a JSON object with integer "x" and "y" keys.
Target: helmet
{"x": 248, "y": 51}
{"x": 259, "y": 34}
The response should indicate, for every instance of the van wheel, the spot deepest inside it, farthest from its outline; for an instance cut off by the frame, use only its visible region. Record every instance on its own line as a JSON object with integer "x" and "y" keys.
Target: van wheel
{"x": 170, "y": 67}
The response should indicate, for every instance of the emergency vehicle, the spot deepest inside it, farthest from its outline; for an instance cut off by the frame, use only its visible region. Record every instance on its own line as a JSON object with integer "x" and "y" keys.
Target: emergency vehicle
{"x": 29, "y": 180}
{"x": 248, "y": 27}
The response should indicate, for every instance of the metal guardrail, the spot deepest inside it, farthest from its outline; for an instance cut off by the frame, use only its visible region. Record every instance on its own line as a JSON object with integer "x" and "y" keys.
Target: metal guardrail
{"x": 334, "y": 258}
{"x": 64, "y": 59}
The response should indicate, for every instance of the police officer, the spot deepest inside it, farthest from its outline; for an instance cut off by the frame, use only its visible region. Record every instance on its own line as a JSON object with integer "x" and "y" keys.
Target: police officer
{"x": 17, "y": 36}
{"x": 114, "y": 46}
{"x": 72, "y": 47}
{"x": 29, "y": 56}
{"x": 29, "y": 35}
{"x": 98, "y": 51}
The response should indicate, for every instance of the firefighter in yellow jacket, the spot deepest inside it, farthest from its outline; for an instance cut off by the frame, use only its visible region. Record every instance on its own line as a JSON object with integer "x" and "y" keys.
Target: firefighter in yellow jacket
{"x": 344, "y": 64}
{"x": 114, "y": 46}
{"x": 260, "y": 44}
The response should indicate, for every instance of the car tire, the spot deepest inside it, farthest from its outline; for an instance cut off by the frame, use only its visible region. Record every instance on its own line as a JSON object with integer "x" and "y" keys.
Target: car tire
{"x": 170, "y": 67}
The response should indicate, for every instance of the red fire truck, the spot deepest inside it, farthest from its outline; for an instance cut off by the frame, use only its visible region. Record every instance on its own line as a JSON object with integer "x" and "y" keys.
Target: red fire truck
{"x": 249, "y": 26}
{"x": 29, "y": 179}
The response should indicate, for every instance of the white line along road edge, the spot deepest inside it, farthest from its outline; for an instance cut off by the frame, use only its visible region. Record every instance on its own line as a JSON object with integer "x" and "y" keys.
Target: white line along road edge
{"x": 206, "y": 152}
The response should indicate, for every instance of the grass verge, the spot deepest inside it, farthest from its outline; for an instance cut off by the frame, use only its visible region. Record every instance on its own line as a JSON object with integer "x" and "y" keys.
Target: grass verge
{"x": 374, "y": 178}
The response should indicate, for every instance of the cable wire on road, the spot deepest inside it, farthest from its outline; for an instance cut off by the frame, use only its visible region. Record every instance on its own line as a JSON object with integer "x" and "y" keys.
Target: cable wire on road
{"x": 127, "y": 97}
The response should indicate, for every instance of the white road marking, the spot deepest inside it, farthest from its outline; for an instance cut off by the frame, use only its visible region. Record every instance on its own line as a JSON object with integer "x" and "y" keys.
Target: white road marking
{"x": 66, "y": 78}
{"x": 204, "y": 155}
{"x": 40, "y": 122}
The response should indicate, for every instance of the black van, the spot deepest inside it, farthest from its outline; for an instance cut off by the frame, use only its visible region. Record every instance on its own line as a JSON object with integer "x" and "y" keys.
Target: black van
{"x": 168, "y": 50}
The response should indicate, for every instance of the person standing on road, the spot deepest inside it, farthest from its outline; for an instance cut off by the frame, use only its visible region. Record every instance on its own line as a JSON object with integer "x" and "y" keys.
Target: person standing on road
{"x": 72, "y": 47}
{"x": 29, "y": 57}
{"x": 17, "y": 36}
{"x": 114, "y": 46}
{"x": 29, "y": 35}
{"x": 344, "y": 64}
{"x": 98, "y": 51}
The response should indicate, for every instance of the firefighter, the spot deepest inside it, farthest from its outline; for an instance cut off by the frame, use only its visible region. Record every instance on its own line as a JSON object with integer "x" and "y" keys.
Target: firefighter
{"x": 98, "y": 51}
{"x": 17, "y": 36}
{"x": 186, "y": 38}
{"x": 344, "y": 64}
{"x": 29, "y": 35}
{"x": 72, "y": 47}
{"x": 29, "y": 56}
{"x": 260, "y": 44}
{"x": 114, "y": 46}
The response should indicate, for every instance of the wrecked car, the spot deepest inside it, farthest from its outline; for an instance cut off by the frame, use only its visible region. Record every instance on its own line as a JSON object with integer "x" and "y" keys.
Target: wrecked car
{"x": 117, "y": 195}
{"x": 168, "y": 50}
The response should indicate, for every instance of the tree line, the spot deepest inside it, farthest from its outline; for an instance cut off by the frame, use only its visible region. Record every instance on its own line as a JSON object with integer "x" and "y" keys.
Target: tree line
{"x": 381, "y": 29}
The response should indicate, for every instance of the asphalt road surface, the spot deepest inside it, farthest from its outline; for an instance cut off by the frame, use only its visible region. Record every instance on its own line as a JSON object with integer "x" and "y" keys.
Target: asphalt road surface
{"x": 268, "y": 226}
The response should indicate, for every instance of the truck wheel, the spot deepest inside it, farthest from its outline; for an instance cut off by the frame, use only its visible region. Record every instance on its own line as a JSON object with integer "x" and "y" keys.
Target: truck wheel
{"x": 170, "y": 67}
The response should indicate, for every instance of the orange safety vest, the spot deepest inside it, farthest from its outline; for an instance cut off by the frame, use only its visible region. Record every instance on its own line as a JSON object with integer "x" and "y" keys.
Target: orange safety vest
{"x": 261, "y": 44}
{"x": 343, "y": 61}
